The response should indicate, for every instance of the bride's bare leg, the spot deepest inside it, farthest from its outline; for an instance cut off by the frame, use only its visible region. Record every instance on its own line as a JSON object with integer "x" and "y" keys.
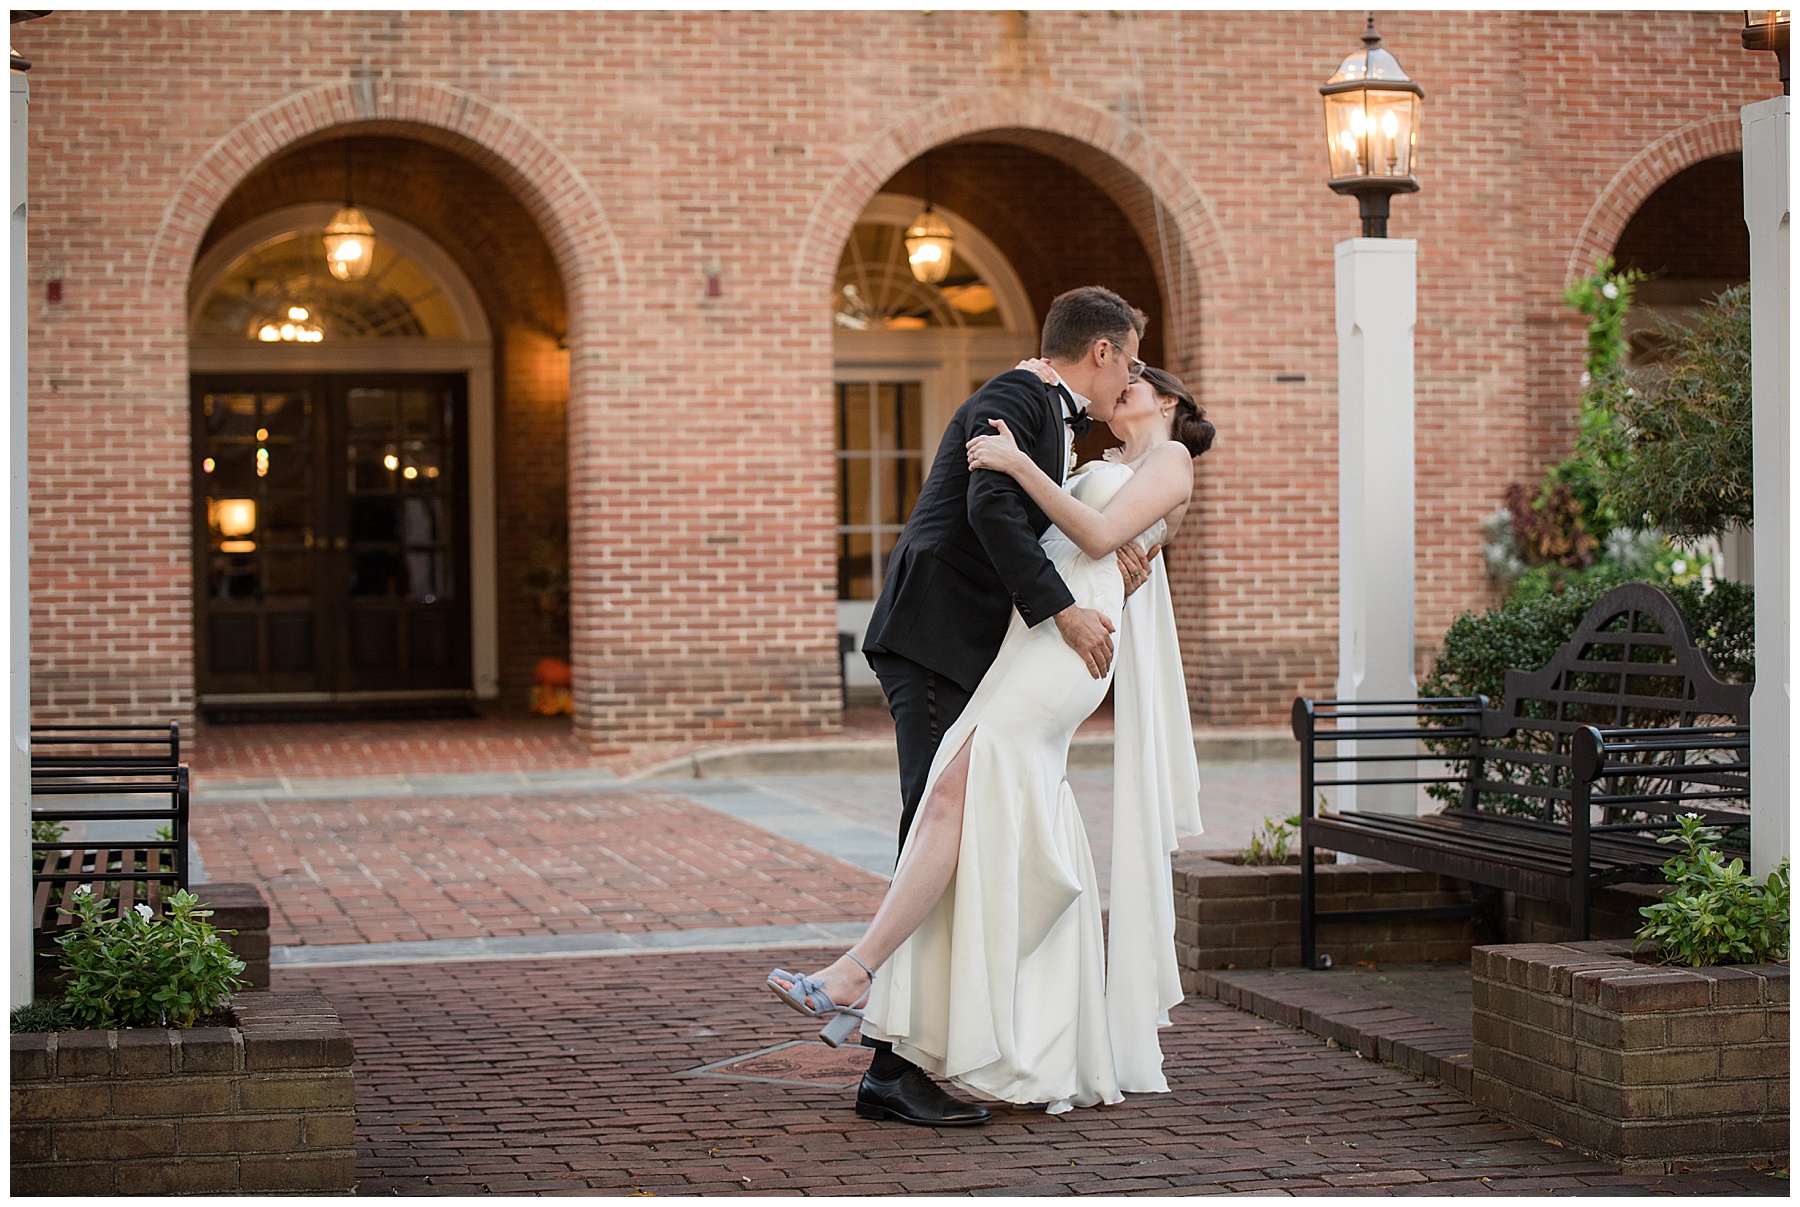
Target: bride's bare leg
{"x": 917, "y": 885}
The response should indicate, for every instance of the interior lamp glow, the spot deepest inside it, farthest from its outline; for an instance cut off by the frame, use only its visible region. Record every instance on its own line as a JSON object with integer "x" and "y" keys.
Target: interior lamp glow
{"x": 235, "y": 517}
{"x": 929, "y": 244}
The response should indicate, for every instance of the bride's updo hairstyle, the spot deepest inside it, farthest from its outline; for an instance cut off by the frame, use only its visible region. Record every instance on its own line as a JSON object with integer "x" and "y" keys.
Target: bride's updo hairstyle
{"x": 1191, "y": 426}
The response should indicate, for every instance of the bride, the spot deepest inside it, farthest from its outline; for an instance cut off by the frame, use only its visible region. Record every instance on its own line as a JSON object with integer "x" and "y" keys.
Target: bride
{"x": 994, "y": 971}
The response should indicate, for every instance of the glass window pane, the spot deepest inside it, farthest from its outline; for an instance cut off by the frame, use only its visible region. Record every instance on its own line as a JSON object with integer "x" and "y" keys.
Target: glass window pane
{"x": 230, "y": 415}
{"x": 376, "y": 572}
{"x": 853, "y": 416}
{"x": 374, "y": 467}
{"x": 284, "y": 416}
{"x": 856, "y": 578}
{"x": 287, "y": 574}
{"x": 853, "y": 491}
{"x": 422, "y": 521}
{"x": 371, "y": 414}
{"x": 912, "y": 478}
{"x": 234, "y": 472}
{"x": 899, "y": 412}
{"x": 421, "y": 409}
{"x": 374, "y": 518}
{"x": 886, "y": 542}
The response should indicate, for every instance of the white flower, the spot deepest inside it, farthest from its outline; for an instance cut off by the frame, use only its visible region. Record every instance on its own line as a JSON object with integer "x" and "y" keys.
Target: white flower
{"x": 1610, "y": 290}
{"x": 1680, "y": 566}
{"x": 144, "y": 911}
{"x": 1586, "y": 379}
{"x": 82, "y": 890}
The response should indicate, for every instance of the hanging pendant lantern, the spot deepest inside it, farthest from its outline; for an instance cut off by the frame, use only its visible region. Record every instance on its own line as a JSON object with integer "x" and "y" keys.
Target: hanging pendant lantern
{"x": 349, "y": 244}
{"x": 929, "y": 244}
{"x": 349, "y": 240}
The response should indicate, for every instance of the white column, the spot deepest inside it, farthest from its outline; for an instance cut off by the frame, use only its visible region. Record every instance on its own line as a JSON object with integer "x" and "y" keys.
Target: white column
{"x": 18, "y": 652}
{"x": 1376, "y": 310}
{"x": 1771, "y": 709}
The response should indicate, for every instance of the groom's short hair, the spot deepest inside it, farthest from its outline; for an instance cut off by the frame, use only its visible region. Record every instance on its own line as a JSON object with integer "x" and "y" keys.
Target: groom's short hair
{"x": 1081, "y": 316}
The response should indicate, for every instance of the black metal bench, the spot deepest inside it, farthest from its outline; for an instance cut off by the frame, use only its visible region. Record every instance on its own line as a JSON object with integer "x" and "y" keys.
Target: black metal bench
{"x": 1627, "y": 722}
{"x": 120, "y": 776}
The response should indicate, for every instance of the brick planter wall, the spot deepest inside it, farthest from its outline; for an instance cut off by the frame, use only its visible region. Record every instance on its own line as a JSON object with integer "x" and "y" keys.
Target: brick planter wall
{"x": 1648, "y": 1066}
{"x": 264, "y": 1106}
{"x": 238, "y": 907}
{"x": 1231, "y": 916}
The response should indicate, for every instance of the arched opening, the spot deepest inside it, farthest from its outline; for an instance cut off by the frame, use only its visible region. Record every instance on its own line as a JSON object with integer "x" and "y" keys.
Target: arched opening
{"x": 1028, "y": 226}
{"x": 380, "y": 509}
{"x": 1689, "y": 237}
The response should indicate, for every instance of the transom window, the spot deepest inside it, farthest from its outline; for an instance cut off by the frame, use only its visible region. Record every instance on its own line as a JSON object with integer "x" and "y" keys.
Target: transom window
{"x": 876, "y": 291}
{"x": 280, "y": 291}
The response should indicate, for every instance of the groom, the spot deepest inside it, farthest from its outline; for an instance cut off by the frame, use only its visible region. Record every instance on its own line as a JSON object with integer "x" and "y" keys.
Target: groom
{"x": 968, "y": 557}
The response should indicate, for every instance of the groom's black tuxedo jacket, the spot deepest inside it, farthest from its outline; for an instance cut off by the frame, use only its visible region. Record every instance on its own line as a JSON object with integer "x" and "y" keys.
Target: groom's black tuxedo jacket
{"x": 969, "y": 553}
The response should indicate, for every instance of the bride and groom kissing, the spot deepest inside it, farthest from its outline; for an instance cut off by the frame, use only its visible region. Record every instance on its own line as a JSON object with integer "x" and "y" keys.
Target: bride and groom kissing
{"x": 986, "y": 963}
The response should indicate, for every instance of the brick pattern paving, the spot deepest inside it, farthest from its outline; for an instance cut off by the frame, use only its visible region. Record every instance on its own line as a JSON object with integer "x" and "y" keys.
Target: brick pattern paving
{"x": 628, "y": 859}
{"x": 573, "y": 1075}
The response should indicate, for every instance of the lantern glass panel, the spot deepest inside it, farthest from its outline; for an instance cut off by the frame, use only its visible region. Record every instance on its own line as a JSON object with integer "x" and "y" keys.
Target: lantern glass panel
{"x": 1371, "y": 133}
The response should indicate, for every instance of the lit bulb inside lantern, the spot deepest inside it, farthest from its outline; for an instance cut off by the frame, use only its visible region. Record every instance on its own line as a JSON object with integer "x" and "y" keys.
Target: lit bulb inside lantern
{"x": 391, "y": 461}
{"x": 1358, "y": 123}
{"x": 269, "y": 334}
{"x": 1390, "y": 125}
{"x": 930, "y": 253}
{"x": 298, "y": 313}
{"x": 287, "y": 331}
{"x": 349, "y": 251}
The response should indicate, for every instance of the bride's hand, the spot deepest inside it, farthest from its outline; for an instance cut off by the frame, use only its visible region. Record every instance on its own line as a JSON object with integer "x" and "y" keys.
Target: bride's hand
{"x": 999, "y": 453}
{"x": 1045, "y": 373}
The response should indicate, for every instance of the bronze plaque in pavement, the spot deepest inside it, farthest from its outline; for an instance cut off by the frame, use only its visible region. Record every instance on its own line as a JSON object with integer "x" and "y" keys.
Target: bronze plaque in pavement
{"x": 797, "y": 1062}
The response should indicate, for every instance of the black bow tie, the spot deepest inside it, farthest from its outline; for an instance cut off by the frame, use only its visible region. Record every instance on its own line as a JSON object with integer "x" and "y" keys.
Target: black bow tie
{"x": 1079, "y": 422}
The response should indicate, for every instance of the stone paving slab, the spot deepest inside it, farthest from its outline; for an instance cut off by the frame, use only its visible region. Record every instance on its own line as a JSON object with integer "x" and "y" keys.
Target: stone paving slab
{"x": 577, "y": 1076}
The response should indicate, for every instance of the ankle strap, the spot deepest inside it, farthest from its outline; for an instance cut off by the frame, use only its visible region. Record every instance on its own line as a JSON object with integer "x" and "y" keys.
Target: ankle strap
{"x": 852, "y": 955}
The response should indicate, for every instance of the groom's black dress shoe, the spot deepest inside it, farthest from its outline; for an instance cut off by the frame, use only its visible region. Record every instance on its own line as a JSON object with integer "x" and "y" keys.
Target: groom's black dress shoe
{"x": 912, "y": 1097}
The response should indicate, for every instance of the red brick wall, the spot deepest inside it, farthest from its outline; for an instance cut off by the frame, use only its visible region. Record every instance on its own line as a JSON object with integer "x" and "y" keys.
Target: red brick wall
{"x": 644, "y": 146}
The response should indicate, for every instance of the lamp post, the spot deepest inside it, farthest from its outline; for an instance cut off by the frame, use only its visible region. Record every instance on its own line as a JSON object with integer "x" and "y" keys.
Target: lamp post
{"x": 1772, "y": 747}
{"x": 1371, "y": 130}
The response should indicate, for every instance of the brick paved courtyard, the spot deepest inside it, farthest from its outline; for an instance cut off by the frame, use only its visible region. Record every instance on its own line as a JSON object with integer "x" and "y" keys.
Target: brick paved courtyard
{"x": 384, "y": 869}
{"x": 564, "y": 1076}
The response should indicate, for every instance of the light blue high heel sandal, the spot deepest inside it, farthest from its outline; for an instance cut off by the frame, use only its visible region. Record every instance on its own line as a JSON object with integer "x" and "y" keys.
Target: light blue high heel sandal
{"x": 807, "y": 995}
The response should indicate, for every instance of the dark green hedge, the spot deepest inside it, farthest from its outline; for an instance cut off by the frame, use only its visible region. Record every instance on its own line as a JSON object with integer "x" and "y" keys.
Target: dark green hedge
{"x": 1479, "y": 650}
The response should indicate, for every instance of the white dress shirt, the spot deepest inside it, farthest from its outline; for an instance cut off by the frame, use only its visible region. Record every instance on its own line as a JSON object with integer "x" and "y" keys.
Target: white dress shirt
{"x": 1081, "y": 404}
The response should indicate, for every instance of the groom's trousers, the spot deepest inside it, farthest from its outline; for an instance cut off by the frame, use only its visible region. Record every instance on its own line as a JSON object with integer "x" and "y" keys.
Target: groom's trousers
{"x": 924, "y": 704}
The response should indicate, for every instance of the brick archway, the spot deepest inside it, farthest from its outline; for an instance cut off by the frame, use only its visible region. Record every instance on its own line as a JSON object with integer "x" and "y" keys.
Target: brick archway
{"x": 556, "y": 196}
{"x": 1641, "y": 176}
{"x": 1171, "y": 215}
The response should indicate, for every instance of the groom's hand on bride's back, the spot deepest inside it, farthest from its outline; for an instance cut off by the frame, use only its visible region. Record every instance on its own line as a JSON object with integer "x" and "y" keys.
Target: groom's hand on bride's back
{"x": 1088, "y": 633}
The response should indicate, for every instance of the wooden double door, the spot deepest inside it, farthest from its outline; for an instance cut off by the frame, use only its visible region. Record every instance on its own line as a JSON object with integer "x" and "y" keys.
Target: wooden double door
{"x": 331, "y": 520}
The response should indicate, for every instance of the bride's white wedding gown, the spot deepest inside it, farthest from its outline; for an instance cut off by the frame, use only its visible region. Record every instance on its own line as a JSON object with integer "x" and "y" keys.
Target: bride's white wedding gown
{"x": 1005, "y": 987}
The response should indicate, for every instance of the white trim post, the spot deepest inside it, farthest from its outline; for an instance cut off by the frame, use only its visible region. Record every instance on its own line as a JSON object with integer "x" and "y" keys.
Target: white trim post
{"x": 1376, "y": 314}
{"x": 18, "y": 653}
{"x": 1771, "y": 703}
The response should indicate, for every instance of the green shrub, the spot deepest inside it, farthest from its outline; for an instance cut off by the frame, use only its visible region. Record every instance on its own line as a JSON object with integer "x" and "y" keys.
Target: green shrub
{"x": 1716, "y": 913}
{"x": 142, "y": 969}
{"x": 1270, "y": 843}
{"x": 45, "y": 1014}
{"x": 47, "y": 831}
{"x": 1687, "y": 423}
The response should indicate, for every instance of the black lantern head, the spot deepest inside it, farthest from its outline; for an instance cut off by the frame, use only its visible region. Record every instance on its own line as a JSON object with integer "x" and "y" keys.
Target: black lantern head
{"x": 1372, "y": 130}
